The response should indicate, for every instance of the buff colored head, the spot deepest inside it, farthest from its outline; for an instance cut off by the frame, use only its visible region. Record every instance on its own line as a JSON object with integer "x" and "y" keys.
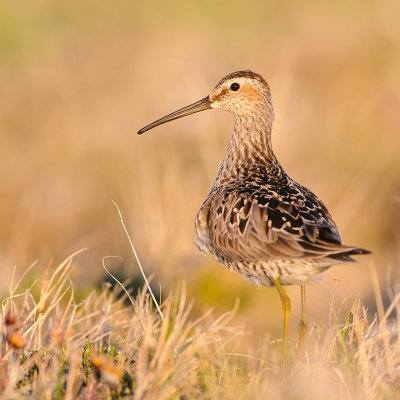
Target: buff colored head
{"x": 241, "y": 92}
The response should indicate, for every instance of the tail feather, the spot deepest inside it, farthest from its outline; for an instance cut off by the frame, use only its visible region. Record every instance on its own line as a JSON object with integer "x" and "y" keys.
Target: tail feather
{"x": 345, "y": 256}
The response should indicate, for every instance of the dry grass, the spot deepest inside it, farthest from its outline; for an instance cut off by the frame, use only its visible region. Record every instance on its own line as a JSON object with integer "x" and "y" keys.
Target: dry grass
{"x": 103, "y": 347}
{"x": 77, "y": 81}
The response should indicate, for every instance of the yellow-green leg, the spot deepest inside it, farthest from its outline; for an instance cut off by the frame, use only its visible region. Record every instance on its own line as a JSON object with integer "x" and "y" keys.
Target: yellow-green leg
{"x": 303, "y": 323}
{"x": 286, "y": 311}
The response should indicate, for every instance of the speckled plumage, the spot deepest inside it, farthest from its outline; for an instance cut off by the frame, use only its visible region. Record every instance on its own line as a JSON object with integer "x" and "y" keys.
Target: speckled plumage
{"x": 256, "y": 220}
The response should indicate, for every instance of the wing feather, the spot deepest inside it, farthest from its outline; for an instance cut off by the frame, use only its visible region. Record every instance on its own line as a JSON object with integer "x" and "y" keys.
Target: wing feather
{"x": 260, "y": 223}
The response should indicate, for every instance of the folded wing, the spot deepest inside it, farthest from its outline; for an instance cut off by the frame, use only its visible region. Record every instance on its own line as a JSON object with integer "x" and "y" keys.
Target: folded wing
{"x": 265, "y": 223}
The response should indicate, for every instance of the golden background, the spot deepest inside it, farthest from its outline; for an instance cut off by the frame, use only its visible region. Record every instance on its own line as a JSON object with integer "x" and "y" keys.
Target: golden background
{"x": 78, "y": 79}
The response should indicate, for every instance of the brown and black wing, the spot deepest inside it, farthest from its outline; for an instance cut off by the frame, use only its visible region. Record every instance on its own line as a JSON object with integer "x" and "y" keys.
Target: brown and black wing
{"x": 263, "y": 223}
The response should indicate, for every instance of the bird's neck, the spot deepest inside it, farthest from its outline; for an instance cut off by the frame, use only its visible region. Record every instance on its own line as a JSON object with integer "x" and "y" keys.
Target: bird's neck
{"x": 249, "y": 149}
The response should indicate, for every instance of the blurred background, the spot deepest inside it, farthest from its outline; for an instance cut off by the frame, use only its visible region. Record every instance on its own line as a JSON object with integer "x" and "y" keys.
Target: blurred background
{"x": 78, "y": 79}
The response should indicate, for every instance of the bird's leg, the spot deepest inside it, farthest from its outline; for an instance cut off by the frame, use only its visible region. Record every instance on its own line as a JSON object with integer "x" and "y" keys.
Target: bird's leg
{"x": 286, "y": 311}
{"x": 303, "y": 323}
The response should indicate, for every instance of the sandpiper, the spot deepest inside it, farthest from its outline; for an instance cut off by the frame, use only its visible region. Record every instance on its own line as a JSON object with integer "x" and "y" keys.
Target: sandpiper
{"x": 256, "y": 220}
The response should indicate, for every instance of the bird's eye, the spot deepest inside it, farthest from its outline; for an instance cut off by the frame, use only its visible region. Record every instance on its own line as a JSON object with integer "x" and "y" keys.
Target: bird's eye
{"x": 235, "y": 87}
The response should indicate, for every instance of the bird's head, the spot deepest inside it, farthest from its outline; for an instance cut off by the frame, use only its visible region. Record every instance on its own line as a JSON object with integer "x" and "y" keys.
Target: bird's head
{"x": 241, "y": 92}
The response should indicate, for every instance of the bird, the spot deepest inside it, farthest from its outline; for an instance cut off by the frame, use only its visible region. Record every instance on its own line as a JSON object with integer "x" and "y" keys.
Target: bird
{"x": 256, "y": 220}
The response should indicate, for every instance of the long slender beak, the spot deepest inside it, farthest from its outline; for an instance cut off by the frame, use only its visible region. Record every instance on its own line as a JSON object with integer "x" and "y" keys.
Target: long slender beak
{"x": 201, "y": 105}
